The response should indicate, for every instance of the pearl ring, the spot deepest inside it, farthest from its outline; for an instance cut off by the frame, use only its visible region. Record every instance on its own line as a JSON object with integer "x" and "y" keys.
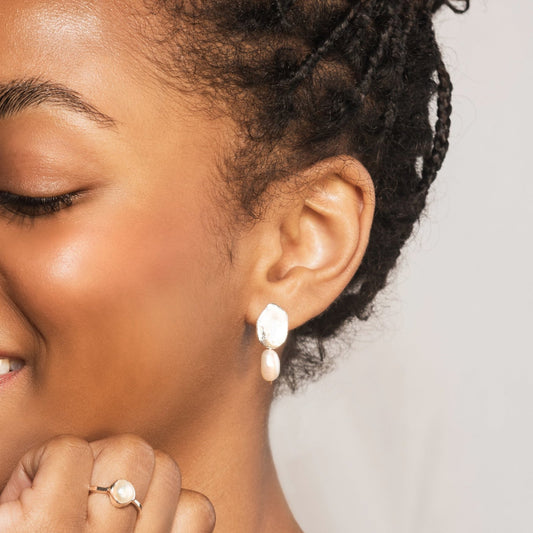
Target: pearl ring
{"x": 121, "y": 493}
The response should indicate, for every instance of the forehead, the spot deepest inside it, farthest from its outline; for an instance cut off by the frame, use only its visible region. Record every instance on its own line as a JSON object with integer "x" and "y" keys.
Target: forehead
{"x": 40, "y": 29}
{"x": 92, "y": 47}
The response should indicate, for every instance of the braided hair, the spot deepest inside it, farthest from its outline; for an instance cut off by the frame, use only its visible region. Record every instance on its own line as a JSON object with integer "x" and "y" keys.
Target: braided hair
{"x": 309, "y": 79}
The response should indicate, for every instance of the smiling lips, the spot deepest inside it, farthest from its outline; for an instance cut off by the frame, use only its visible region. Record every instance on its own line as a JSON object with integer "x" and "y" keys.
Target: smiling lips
{"x": 8, "y": 365}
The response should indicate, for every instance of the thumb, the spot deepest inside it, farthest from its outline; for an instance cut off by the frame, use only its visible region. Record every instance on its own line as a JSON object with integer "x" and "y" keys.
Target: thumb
{"x": 10, "y": 506}
{"x": 38, "y": 483}
{"x": 18, "y": 481}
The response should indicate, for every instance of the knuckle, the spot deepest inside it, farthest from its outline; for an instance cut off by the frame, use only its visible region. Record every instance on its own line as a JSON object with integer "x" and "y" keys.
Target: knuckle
{"x": 69, "y": 444}
{"x": 169, "y": 470}
{"x": 133, "y": 448}
{"x": 129, "y": 440}
{"x": 205, "y": 511}
{"x": 132, "y": 444}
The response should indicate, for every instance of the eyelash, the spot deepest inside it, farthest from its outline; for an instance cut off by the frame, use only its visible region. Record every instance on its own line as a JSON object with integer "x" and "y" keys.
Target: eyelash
{"x": 35, "y": 206}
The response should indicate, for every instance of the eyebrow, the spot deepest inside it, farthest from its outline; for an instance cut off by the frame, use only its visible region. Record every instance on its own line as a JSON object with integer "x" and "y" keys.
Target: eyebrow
{"x": 17, "y": 95}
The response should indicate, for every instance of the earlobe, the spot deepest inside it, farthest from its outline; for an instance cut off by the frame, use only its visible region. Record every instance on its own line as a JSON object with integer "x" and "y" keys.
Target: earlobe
{"x": 318, "y": 241}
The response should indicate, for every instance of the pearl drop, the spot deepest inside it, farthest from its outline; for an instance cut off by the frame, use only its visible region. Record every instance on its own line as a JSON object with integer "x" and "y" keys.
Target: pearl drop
{"x": 269, "y": 365}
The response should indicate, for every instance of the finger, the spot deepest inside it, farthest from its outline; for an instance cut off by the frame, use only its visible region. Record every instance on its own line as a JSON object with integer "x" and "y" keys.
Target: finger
{"x": 120, "y": 457}
{"x": 160, "y": 504}
{"x": 51, "y": 480}
{"x": 18, "y": 482}
{"x": 195, "y": 513}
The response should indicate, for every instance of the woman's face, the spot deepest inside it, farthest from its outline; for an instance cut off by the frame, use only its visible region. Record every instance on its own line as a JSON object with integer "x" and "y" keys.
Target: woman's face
{"x": 121, "y": 304}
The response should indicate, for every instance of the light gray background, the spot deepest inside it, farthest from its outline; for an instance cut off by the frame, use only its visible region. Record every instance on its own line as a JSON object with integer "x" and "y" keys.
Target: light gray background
{"x": 426, "y": 425}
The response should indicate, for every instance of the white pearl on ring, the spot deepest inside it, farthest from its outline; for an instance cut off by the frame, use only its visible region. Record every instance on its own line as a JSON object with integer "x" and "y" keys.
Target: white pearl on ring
{"x": 122, "y": 491}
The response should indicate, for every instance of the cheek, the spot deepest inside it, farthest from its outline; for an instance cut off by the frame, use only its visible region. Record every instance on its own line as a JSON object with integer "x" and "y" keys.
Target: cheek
{"x": 120, "y": 263}
{"x": 123, "y": 299}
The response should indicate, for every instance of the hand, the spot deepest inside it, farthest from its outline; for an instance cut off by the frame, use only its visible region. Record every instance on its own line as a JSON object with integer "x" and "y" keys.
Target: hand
{"x": 48, "y": 490}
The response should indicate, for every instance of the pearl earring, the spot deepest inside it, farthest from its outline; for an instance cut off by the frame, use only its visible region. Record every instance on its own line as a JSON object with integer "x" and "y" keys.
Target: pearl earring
{"x": 272, "y": 329}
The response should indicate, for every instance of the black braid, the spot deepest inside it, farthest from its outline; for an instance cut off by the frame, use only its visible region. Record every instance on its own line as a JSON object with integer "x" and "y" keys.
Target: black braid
{"x": 282, "y": 7}
{"x": 398, "y": 40}
{"x": 313, "y": 58}
{"x": 434, "y": 160}
{"x": 364, "y": 88}
{"x": 375, "y": 59}
{"x": 438, "y": 3}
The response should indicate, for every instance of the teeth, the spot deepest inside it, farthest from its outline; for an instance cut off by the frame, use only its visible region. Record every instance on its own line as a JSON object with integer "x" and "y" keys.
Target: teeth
{"x": 10, "y": 365}
{"x": 4, "y": 366}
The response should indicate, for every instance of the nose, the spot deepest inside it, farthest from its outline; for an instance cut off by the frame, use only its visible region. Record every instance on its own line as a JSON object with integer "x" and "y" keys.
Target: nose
{"x": 18, "y": 334}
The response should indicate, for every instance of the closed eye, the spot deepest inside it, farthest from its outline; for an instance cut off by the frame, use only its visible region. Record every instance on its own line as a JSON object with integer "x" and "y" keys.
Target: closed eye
{"x": 35, "y": 206}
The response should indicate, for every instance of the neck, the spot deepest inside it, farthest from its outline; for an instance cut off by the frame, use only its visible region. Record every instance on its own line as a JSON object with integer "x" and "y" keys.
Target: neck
{"x": 226, "y": 456}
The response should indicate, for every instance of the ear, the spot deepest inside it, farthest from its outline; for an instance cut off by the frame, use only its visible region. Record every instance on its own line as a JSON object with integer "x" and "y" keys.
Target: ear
{"x": 310, "y": 244}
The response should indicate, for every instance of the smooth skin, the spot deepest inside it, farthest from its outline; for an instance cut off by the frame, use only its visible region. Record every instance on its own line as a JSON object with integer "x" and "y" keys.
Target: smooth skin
{"x": 136, "y": 329}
